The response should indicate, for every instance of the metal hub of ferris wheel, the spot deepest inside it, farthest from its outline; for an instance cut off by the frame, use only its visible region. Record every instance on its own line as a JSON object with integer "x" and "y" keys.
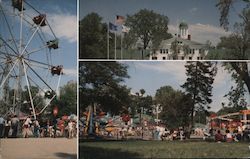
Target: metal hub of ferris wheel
{"x": 28, "y": 47}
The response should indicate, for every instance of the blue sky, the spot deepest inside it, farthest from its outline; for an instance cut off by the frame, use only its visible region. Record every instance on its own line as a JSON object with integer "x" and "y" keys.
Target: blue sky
{"x": 62, "y": 17}
{"x": 152, "y": 75}
{"x": 201, "y": 15}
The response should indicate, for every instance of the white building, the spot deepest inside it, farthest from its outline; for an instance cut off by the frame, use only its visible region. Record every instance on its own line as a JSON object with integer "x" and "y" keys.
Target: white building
{"x": 180, "y": 47}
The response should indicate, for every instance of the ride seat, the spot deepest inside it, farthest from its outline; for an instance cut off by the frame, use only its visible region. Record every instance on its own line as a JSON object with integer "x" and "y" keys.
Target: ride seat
{"x": 49, "y": 94}
{"x": 40, "y": 20}
{"x": 56, "y": 70}
{"x": 52, "y": 44}
{"x": 18, "y": 4}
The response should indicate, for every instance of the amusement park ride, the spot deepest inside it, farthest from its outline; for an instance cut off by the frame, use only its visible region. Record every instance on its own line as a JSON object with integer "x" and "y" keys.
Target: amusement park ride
{"x": 230, "y": 121}
{"x": 95, "y": 120}
{"x": 27, "y": 51}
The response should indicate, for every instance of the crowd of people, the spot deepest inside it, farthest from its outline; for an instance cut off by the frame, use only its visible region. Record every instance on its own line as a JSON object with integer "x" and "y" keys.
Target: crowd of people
{"x": 239, "y": 134}
{"x": 13, "y": 127}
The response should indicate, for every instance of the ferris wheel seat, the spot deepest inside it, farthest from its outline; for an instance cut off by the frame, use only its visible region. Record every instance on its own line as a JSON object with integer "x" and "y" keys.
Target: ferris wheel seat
{"x": 49, "y": 94}
{"x": 56, "y": 70}
{"x": 53, "y": 44}
{"x": 40, "y": 20}
{"x": 18, "y": 4}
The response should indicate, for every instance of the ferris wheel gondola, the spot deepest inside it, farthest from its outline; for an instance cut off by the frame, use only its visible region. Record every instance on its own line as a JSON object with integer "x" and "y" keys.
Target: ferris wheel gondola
{"x": 27, "y": 49}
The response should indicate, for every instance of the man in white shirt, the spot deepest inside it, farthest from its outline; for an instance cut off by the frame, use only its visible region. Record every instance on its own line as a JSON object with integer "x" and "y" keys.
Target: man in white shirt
{"x": 26, "y": 127}
{"x": 70, "y": 129}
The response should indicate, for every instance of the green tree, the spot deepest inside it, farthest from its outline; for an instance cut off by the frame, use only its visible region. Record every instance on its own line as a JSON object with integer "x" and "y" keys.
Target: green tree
{"x": 224, "y": 7}
{"x": 92, "y": 37}
{"x": 200, "y": 78}
{"x": 143, "y": 102}
{"x": 237, "y": 45}
{"x": 100, "y": 83}
{"x": 38, "y": 100}
{"x": 176, "y": 106}
{"x": 67, "y": 101}
{"x": 239, "y": 71}
{"x": 148, "y": 26}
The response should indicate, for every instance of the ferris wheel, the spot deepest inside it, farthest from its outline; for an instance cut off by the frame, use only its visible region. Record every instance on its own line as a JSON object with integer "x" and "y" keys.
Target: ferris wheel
{"x": 28, "y": 47}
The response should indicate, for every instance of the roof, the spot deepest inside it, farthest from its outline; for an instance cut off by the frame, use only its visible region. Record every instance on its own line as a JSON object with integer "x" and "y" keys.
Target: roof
{"x": 183, "y": 25}
{"x": 192, "y": 44}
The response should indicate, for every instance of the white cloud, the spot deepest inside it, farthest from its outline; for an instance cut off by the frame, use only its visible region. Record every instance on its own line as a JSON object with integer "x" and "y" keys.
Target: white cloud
{"x": 72, "y": 72}
{"x": 64, "y": 26}
{"x": 222, "y": 77}
{"x": 203, "y": 32}
{"x": 174, "y": 68}
{"x": 193, "y": 10}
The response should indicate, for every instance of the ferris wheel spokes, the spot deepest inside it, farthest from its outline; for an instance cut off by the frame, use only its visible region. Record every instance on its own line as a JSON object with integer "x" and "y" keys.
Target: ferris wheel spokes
{"x": 28, "y": 85}
{"x": 25, "y": 52}
{"x": 7, "y": 76}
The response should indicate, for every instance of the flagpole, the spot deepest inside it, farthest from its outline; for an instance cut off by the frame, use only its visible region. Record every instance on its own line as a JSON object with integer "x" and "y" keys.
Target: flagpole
{"x": 115, "y": 45}
{"x": 108, "y": 42}
{"x": 121, "y": 47}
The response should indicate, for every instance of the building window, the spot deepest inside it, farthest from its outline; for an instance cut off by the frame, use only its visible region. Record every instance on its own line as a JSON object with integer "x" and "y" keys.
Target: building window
{"x": 164, "y": 58}
{"x": 190, "y": 58}
{"x": 182, "y": 57}
{"x": 154, "y": 58}
{"x": 167, "y": 51}
{"x": 201, "y": 58}
{"x": 200, "y": 51}
{"x": 178, "y": 51}
{"x": 160, "y": 51}
{"x": 198, "y": 58}
{"x": 190, "y": 51}
{"x": 164, "y": 51}
{"x": 193, "y": 51}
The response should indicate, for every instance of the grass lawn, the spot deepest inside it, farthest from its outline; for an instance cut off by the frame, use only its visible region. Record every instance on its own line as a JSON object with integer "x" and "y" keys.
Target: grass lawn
{"x": 161, "y": 149}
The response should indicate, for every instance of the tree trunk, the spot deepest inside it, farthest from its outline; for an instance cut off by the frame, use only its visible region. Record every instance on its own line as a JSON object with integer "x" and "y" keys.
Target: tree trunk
{"x": 243, "y": 73}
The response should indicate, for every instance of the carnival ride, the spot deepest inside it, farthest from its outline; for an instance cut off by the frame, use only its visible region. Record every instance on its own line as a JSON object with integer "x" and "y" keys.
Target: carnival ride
{"x": 28, "y": 47}
{"x": 95, "y": 122}
{"x": 231, "y": 120}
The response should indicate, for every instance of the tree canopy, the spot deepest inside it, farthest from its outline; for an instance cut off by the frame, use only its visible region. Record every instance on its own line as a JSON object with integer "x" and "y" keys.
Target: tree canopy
{"x": 200, "y": 78}
{"x": 92, "y": 37}
{"x": 176, "y": 106}
{"x": 100, "y": 83}
{"x": 67, "y": 101}
{"x": 148, "y": 27}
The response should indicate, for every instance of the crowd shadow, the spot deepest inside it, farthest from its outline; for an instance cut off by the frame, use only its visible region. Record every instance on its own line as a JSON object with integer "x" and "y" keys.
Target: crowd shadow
{"x": 66, "y": 155}
{"x": 86, "y": 152}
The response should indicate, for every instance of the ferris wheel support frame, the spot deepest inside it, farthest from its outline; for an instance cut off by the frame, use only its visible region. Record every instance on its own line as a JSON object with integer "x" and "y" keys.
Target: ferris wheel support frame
{"x": 17, "y": 56}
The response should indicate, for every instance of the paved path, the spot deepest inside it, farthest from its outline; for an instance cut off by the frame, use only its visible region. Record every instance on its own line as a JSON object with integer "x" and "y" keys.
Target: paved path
{"x": 38, "y": 148}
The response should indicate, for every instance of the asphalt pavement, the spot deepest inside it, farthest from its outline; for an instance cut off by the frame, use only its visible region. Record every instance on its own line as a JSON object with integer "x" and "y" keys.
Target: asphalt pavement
{"x": 38, "y": 148}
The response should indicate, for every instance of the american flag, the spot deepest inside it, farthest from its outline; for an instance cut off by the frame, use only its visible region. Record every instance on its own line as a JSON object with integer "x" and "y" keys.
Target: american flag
{"x": 125, "y": 29}
{"x": 112, "y": 27}
{"x": 120, "y": 19}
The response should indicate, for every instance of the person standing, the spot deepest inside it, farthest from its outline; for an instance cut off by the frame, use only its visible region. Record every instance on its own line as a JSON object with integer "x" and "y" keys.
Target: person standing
{"x": 54, "y": 127}
{"x": 36, "y": 128}
{"x": 1, "y": 126}
{"x": 7, "y": 127}
{"x": 70, "y": 129}
{"x": 14, "y": 126}
{"x": 26, "y": 127}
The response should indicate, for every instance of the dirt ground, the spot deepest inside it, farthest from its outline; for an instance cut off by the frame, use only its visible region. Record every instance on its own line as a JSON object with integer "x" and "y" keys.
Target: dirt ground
{"x": 38, "y": 148}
